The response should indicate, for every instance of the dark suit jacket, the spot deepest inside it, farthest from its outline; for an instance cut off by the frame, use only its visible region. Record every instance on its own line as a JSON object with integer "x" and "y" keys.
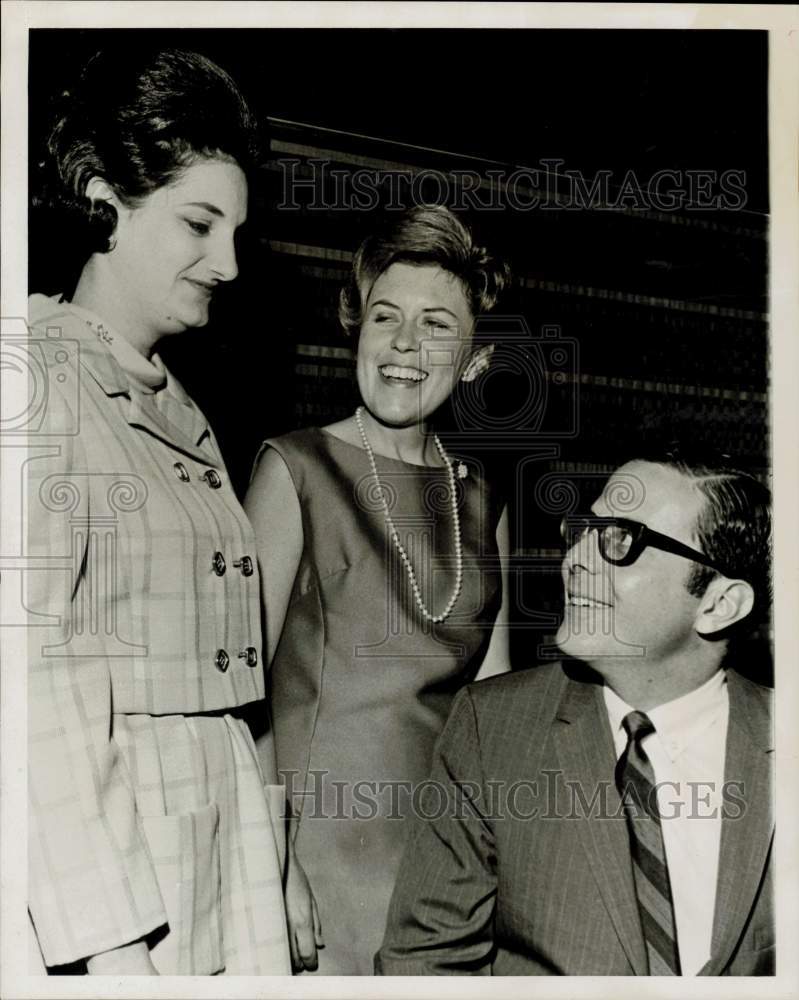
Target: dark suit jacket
{"x": 522, "y": 866}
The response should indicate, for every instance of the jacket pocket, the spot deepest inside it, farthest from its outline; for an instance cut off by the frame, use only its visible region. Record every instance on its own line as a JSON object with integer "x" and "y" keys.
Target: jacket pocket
{"x": 185, "y": 852}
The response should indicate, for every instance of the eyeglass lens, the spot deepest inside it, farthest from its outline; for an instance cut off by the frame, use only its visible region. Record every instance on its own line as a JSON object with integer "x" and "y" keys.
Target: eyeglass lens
{"x": 615, "y": 540}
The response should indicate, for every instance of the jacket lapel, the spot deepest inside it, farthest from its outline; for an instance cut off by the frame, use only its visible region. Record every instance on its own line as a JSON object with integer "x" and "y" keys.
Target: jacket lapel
{"x": 180, "y": 430}
{"x": 184, "y": 428}
{"x": 747, "y": 823}
{"x": 585, "y": 750}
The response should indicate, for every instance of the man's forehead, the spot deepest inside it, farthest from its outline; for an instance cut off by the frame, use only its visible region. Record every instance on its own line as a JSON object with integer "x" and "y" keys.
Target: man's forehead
{"x": 658, "y": 495}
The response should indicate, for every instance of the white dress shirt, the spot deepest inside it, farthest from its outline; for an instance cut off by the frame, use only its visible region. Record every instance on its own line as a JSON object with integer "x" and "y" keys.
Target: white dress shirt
{"x": 687, "y": 753}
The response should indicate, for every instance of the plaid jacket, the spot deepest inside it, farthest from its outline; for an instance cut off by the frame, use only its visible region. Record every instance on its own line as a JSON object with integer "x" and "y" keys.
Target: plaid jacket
{"x": 144, "y": 591}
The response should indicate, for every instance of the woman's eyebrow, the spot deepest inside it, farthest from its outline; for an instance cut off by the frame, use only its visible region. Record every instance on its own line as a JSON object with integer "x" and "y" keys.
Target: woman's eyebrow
{"x": 427, "y": 309}
{"x": 431, "y": 309}
{"x": 206, "y": 205}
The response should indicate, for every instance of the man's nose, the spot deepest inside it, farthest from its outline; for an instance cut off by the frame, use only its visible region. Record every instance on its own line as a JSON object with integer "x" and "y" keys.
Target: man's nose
{"x": 584, "y": 552}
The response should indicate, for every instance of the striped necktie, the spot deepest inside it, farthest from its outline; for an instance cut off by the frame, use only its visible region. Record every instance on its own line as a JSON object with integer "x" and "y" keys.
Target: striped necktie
{"x": 635, "y": 779}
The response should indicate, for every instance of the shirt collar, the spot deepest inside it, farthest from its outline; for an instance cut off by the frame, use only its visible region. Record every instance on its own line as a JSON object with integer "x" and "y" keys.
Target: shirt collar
{"x": 678, "y": 723}
{"x": 116, "y": 366}
{"x": 150, "y": 375}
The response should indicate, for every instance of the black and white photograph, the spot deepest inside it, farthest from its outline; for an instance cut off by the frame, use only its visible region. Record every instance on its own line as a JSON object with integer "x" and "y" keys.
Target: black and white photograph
{"x": 399, "y": 493}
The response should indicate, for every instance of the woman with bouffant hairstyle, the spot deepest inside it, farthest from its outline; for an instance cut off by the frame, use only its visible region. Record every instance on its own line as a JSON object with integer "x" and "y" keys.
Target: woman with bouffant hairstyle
{"x": 138, "y": 120}
{"x": 381, "y": 572}
{"x": 153, "y": 847}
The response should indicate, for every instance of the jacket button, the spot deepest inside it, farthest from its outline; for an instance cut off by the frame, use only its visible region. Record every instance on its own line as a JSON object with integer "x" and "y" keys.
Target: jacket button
{"x": 181, "y": 472}
{"x": 218, "y": 564}
{"x": 244, "y": 564}
{"x": 221, "y": 661}
{"x": 250, "y": 655}
{"x": 212, "y": 477}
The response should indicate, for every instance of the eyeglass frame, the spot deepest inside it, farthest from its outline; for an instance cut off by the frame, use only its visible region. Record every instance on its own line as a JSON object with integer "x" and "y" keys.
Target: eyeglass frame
{"x": 642, "y": 535}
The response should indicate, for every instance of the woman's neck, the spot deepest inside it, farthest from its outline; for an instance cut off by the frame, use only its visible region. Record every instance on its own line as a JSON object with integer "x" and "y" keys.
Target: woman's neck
{"x": 413, "y": 445}
{"x": 97, "y": 292}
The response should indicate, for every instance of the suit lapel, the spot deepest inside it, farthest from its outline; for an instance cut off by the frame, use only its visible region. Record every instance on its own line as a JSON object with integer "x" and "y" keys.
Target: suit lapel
{"x": 747, "y": 824}
{"x": 585, "y": 750}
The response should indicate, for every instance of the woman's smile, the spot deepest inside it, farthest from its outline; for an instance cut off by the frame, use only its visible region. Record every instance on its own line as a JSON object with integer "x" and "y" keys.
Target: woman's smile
{"x": 402, "y": 375}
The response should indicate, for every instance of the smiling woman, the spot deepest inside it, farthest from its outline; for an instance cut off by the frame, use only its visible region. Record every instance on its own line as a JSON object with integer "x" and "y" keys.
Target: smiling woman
{"x": 415, "y": 343}
{"x": 382, "y": 574}
{"x": 153, "y": 847}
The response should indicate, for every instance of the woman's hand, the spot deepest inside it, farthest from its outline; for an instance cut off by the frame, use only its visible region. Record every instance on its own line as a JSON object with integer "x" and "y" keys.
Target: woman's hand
{"x": 305, "y": 928}
{"x": 128, "y": 960}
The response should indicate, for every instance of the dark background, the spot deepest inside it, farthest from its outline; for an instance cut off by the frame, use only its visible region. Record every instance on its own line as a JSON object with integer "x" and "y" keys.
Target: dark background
{"x": 623, "y": 323}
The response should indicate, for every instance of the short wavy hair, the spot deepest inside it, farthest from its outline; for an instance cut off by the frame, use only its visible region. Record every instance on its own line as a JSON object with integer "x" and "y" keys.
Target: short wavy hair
{"x": 734, "y": 524}
{"x": 423, "y": 234}
{"x": 138, "y": 118}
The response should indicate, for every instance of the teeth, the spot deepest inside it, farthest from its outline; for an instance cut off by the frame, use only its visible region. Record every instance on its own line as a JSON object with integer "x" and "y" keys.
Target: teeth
{"x": 411, "y": 374}
{"x": 584, "y": 602}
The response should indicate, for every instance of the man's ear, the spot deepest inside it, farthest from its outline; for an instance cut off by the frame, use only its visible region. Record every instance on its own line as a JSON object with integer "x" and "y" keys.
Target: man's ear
{"x": 477, "y": 363}
{"x": 724, "y": 603}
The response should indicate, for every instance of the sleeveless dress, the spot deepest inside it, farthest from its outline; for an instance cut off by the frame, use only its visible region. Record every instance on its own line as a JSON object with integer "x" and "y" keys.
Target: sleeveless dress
{"x": 361, "y": 686}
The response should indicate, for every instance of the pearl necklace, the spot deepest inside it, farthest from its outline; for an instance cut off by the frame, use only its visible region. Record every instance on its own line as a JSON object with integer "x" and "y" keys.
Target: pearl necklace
{"x": 456, "y": 529}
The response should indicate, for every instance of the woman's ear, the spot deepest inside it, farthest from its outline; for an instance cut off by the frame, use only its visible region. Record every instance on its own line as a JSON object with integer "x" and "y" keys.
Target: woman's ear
{"x": 477, "y": 363}
{"x": 106, "y": 208}
{"x": 99, "y": 189}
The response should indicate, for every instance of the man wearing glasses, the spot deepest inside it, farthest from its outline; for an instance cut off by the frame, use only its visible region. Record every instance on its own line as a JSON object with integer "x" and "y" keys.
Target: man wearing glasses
{"x": 611, "y": 814}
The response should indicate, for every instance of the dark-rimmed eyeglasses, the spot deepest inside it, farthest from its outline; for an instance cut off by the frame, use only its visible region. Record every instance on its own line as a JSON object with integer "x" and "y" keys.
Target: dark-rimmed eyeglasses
{"x": 622, "y": 541}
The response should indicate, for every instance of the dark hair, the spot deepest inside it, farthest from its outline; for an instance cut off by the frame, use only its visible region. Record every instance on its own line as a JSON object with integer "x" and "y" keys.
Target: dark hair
{"x": 734, "y": 525}
{"x": 424, "y": 234}
{"x": 138, "y": 119}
